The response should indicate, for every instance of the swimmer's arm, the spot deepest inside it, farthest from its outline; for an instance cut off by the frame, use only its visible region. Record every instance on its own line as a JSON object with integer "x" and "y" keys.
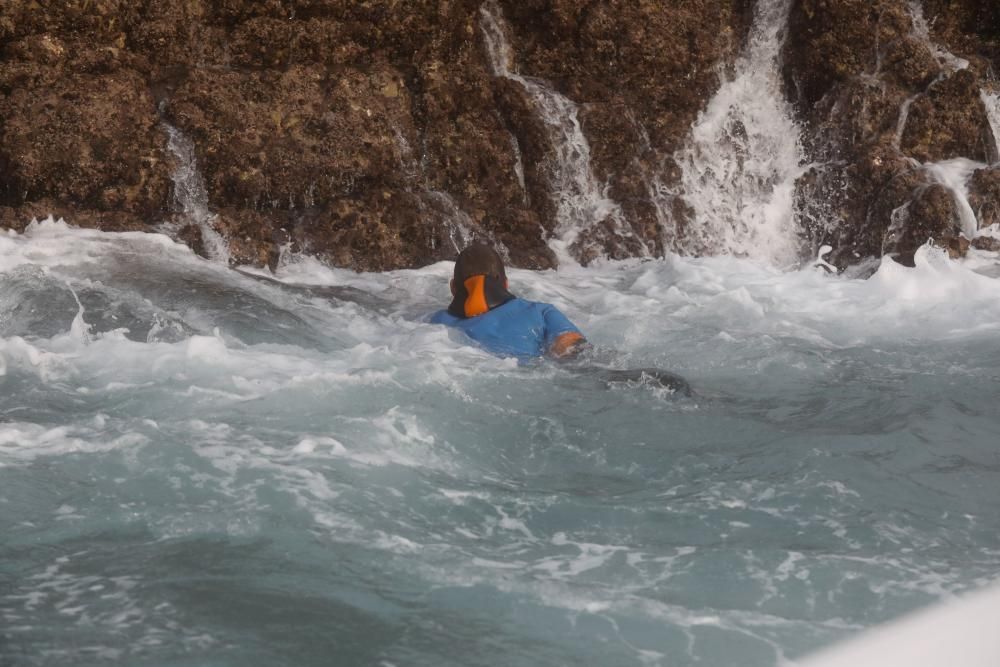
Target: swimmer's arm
{"x": 563, "y": 338}
{"x": 567, "y": 345}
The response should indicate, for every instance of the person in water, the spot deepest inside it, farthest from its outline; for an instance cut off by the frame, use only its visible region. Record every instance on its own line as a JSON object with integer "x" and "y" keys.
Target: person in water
{"x": 484, "y": 309}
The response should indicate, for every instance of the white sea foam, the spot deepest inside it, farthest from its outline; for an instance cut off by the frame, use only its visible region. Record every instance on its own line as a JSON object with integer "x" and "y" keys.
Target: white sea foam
{"x": 374, "y": 442}
{"x": 744, "y": 156}
{"x": 620, "y": 306}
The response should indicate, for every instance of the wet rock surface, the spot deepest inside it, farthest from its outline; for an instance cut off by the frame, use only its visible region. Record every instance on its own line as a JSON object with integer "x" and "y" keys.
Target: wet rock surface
{"x": 882, "y": 98}
{"x": 84, "y": 140}
{"x": 984, "y": 196}
{"x": 949, "y": 121}
{"x": 641, "y": 73}
{"x": 931, "y": 215}
{"x": 376, "y": 134}
{"x": 371, "y": 133}
{"x": 970, "y": 28}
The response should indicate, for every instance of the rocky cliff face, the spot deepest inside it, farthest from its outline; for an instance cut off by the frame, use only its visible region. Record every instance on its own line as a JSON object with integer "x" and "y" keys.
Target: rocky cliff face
{"x": 380, "y": 134}
{"x": 375, "y": 134}
{"x": 885, "y": 98}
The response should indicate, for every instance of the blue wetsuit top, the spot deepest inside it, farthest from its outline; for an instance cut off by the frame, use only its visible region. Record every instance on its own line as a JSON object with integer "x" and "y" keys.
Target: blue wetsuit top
{"x": 517, "y": 328}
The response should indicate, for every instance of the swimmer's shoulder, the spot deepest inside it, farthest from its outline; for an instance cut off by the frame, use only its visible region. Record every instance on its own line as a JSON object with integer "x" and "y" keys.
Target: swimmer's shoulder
{"x": 443, "y": 317}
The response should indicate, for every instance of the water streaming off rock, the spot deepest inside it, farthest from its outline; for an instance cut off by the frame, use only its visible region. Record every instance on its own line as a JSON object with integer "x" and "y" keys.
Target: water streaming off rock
{"x": 954, "y": 173}
{"x": 457, "y": 223}
{"x": 581, "y": 200}
{"x": 904, "y": 117}
{"x": 991, "y": 100}
{"x": 948, "y": 60}
{"x": 438, "y": 204}
{"x": 190, "y": 195}
{"x": 739, "y": 171}
{"x": 519, "y": 166}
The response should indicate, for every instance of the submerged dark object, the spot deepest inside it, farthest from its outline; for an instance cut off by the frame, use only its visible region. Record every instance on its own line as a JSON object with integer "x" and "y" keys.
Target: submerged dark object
{"x": 597, "y": 362}
{"x": 647, "y": 376}
{"x": 650, "y": 377}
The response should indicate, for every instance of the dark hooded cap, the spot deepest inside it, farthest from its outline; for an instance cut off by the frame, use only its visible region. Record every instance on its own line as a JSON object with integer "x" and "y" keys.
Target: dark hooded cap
{"x": 480, "y": 282}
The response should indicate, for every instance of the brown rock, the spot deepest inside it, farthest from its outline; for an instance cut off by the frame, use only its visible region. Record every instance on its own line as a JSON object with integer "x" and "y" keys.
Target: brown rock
{"x": 911, "y": 62}
{"x": 984, "y": 196}
{"x": 628, "y": 167}
{"x": 512, "y": 229}
{"x": 254, "y": 238}
{"x": 290, "y": 146}
{"x": 471, "y": 148}
{"x": 606, "y": 239}
{"x": 958, "y": 246}
{"x": 848, "y": 204}
{"x": 967, "y": 27}
{"x": 537, "y": 151}
{"x": 331, "y": 115}
{"x": 270, "y": 140}
{"x": 84, "y": 142}
{"x": 378, "y": 233}
{"x": 640, "y": 73}
{"x": 932, "y": 215}
{"x": 18, "y": 218}
{"x": 856, "y": 118}
{"x": 854, "y": 67}
{"x": 375, "y": 134}
{"x": 987, "y": 243}
{"x": 176, "y": 35}
{"x": 830, "y": 43}
{"x": 191, "y": 236}
{"x": 949, "y": 121}
{"x": 850, "y": 65}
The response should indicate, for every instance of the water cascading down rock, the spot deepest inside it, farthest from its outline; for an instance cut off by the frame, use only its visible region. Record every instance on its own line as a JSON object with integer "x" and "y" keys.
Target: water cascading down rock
{"x": 744, "y": 156}
{"x": 581, "y": 202}
{"x": 382, "y": 135}
{"x": 897, "y": 127}
{"x": 191, "y": 200}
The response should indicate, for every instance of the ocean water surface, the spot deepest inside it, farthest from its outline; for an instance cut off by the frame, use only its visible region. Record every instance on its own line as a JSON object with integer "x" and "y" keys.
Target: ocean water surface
{"x": 199, "y": 466}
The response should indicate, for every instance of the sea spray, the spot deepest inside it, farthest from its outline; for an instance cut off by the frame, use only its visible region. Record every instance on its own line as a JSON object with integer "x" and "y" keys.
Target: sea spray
{"x": 79, "y": 329}
{"x": 744, "y": 156}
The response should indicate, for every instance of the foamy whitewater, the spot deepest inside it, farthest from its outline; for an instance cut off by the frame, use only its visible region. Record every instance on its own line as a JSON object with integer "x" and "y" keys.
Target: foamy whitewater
{"x": 204, "y": 467}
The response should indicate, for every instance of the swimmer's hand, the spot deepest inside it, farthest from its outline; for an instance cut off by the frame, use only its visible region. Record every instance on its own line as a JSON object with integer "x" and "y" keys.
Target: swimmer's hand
{"x": 568, "y": 345}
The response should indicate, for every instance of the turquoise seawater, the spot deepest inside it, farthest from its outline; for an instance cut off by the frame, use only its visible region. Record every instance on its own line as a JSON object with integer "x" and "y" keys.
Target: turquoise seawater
{"x": 202, "y": 467}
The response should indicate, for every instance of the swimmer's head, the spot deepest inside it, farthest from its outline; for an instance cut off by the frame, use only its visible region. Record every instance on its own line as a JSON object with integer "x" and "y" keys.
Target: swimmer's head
{"x": 478, "y": 259}
{"x": 479, "y": 283}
